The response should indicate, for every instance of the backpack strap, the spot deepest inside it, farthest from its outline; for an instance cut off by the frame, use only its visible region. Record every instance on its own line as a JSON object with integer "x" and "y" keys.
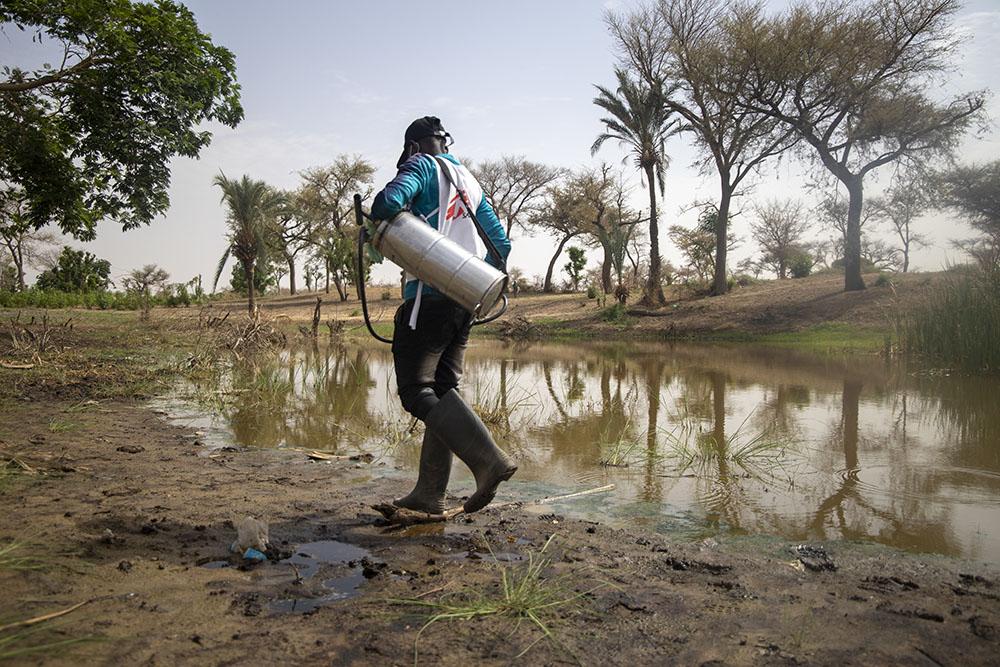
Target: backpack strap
{"x": 487, "y": 241}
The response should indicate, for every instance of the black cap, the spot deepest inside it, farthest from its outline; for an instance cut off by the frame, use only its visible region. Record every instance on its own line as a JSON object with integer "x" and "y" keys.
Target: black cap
{"x": 428, "y": 126}
{"x": 421, "y": 128}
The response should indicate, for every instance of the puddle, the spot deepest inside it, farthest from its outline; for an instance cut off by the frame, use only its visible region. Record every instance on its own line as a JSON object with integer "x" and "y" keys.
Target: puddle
{"x": 307, "y": 561}
{"x": 747, "y": 439}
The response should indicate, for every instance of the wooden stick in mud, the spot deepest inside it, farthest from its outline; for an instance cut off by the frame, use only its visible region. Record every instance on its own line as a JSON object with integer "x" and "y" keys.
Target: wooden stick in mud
{"x": 402, "y": 516}
{"x": 43, "y": 617}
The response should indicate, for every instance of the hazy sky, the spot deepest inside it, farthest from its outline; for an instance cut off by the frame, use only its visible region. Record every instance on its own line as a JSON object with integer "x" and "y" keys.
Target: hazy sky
{"x": 323, "y": 78}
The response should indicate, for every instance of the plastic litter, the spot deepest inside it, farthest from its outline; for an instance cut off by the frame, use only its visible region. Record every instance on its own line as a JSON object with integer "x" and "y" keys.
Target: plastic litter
{"x": 254, "y": 556}
{"x": 251, "y": 534}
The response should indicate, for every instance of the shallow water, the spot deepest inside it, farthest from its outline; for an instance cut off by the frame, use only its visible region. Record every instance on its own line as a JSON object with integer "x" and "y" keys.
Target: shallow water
{"x": 697, "y": 438}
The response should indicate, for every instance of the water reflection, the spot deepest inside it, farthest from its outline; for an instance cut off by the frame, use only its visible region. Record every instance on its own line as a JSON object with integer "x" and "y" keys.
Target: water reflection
{"x": 866, "y": 450}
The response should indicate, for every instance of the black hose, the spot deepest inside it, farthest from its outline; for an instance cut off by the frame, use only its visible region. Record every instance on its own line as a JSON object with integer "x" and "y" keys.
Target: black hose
{"x": 496, "y": 315}
{"x": 359, "y": 214}
{"x": 362, "y": 238}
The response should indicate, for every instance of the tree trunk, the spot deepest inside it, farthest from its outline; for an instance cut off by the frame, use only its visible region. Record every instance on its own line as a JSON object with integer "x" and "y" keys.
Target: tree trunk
{"x": 547, "y": 287}
{"x": 654, "y": 290}
{"x": 248, "y": 271}
{"x": 720, "y": 283}
{"x": 852, "y": 243}
{"x": 20, "y": 277}
{"x": 327, "y": 278}
{"x": 340, "y": 287}
{"x": 291, "y": 274}
{"x": 606, "y": 270}
{"x": 906, "y": 256}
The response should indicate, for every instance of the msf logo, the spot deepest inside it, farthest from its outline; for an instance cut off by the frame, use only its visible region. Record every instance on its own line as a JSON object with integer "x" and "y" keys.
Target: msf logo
{"x": 456, "y": 209}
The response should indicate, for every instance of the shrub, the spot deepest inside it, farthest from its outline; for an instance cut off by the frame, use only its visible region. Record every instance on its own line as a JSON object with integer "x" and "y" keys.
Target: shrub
{"x": 616, "y": 313}
{"x": 591, "y": 292}
{"x": 801, "y": 264}
{"x": 883, "y": 279}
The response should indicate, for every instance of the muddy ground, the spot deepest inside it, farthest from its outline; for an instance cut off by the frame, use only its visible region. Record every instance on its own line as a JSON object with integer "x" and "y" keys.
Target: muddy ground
{"x": 132, "y": 514}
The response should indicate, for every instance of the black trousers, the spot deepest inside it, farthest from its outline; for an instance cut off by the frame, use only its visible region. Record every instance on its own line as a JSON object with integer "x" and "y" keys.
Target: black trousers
{"x": 429, "y": 359}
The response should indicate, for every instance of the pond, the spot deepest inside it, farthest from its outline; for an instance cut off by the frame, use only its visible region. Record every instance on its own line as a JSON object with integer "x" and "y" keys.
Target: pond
{"x": 699, "y": 438}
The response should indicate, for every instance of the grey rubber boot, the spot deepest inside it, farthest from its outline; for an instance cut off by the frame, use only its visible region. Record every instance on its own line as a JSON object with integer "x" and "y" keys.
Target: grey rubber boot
{"x": 466, "y": 435}
{"x": 432, "y": 479}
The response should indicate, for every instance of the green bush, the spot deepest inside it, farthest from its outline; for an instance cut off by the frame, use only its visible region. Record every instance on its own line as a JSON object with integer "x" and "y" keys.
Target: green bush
{"x": 616, "y": 314}
{"x": 40, "y": 298}
{"x": 958, "y": 321}
{"x": 883, "y": 279}
{"x": 591, "y": 292}
{"x": 800, "y": 264}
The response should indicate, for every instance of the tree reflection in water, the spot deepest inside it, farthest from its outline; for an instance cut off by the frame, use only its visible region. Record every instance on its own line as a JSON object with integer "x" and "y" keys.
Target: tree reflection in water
{"x": 883, "y": 452}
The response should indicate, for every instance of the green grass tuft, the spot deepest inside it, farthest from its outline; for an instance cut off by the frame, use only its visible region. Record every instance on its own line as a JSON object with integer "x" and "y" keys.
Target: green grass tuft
{"x": 524, "y": 594}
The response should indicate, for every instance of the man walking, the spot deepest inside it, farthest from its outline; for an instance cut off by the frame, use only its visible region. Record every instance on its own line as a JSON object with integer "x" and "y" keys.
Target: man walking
{"x": 431, "y": 330}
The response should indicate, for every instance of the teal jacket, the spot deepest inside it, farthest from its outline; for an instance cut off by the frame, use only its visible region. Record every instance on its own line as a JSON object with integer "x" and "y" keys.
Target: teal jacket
{"x": 416, "y": 187}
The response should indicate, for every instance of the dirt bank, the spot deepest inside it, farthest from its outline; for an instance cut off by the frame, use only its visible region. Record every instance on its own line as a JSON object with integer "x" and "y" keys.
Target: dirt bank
{"x": 133, "y": 514}
{"x": 767, "y": 308}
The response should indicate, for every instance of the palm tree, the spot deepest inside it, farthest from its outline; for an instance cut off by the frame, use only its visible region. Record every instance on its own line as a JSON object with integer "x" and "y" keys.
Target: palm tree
{"x": 641, "y": 121}
{"x": 253, "y": 206}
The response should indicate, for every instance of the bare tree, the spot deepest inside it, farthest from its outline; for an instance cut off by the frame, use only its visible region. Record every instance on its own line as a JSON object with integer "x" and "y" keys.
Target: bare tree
{"x": 515, "y": 186}
{"x": 291, "y": 233}
{"x": 905, "y": 201}
{"x": 682, "y": 45}
{"x": 26, "y": 245}
{"x": 854, "y": 81}
{"x": 779, "y": 229}
{"x": 698, "y": 244}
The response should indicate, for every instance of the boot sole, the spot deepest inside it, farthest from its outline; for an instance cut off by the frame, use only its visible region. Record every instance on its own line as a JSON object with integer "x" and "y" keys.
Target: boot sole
{"x": 433, "y": 511}
{"x": 478, "y": 501}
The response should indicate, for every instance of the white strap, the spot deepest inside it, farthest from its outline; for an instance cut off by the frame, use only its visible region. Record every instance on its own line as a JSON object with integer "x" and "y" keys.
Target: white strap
{"x": 416, "y": 305}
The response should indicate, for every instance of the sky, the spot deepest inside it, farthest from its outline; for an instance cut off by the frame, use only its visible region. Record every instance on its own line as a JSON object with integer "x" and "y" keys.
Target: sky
{"x": 323, "y": 78}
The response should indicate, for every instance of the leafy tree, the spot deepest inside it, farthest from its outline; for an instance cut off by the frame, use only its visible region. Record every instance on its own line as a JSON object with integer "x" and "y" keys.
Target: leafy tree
{"x": 515, "y": 186}
{"x": 93, "y": 137}
{"x": 264, "y": 277}
{"x": 778, "y": 230}
{"x": 141, "y": 281}
{"x": 252, "y": 209}
{"x": 639, "y": 119}
{"x": 327, "y": 200}
{"x": 800, "y": 261}
{"x": 681, "y": 45}
{"x": 8, "y": 275}
{"x": 563, "y": 213}
{"x": 575, "y": 266}
{"x": 974, "y": 193}
{"x": 76, "y": 271}
{"x": 26, "y": 245}
{"x": 856, "y": 81}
